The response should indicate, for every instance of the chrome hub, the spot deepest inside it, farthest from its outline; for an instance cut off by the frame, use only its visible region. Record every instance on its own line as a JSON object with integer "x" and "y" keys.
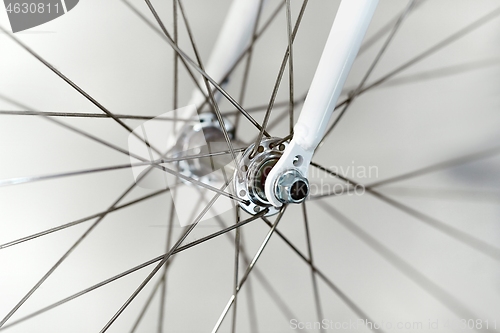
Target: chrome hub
{"x": 202, "y": 138}
{"x": 291, "y": 186}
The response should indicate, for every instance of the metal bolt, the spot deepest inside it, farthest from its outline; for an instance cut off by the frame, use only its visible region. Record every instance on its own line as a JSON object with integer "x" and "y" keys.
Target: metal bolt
{"x": 291, "y": 187}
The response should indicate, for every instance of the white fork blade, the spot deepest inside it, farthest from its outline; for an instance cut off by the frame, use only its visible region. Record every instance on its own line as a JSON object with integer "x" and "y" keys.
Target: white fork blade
{"x": 348, "y": 30}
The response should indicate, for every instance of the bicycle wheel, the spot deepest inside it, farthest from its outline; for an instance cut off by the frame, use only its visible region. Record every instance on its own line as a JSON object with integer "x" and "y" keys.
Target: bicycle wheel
{"x": 400, "y": 229}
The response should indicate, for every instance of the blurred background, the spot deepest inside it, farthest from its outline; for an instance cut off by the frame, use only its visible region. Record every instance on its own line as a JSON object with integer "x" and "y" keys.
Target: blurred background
{"x": 423, "y": 249}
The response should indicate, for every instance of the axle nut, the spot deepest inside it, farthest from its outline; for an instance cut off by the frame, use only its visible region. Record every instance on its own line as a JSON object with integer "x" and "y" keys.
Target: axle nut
{"x": 291, "y": 187}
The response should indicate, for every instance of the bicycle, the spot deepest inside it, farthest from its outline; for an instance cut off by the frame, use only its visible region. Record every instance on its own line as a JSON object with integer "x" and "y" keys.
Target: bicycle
{"x": 386, "y": 249}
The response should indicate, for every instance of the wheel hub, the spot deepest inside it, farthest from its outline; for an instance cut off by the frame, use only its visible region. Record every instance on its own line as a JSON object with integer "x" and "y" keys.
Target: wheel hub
{"x": 202, "y": 138}
{"x": 249, "y": 184}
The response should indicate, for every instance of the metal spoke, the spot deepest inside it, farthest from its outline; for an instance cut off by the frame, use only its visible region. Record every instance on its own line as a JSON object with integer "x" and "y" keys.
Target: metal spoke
{"x": 382, "y": 31}
{"x": 173, "y": 172}
{"x": 439, "y": 166}
{"x": 134, "y": 269}
{"x": 422, "y": 171}
{"x": 201, "y": 71}
{"x": 252, "y": 311}
{"x": 174, "y": 40}
{"x": 286, "y": 138}
{"x": 273, "y": 15}
{"x": 247, "y": 65}
{"x": 343, "y": 191}
{"x": 290, "y": 63}
{"x": 64, "y": 256}
{"x": 159, "y": 283}
{"x": 54, "y": 267}
{"x": 479, "y": 245}
{"x": 71, "y": 128}
{"x": 204, "y": 185}
{"x": 197, "y": 156}
{"x": 221, "y": 232}
{"x": 440, "y": 72}
{"x": 470, "y": 195}
{"x": 165, "y": 270}
{"x": 287, "y": 313}
{"x": 258, "y": 108}
{"x": 447, "y": 299}
{"x": 374, "y": 63}
{"x": 452, "y": 232}
{"x": 445, "y": 42}
{"x": 89, "y": 115}
{"x": 79, "y": 221}
{"x": 176, "y": 65}
{"x": 335, "y": 122}
{"x": 261, "y": 278}
{"x": 76, "y": 87}
{"x": 163, "y": 261}
{"x": 156, "y": 164}
{"x": 213, "y": 102}
{"x": 353, "y": 306}
{"x": 248, "y": 270}
{"x": 236, "y": 267}
{"x": 313, "y": 273}
{"x": 189, "y": 179}
{"x": 31, "y": 179}
{"x": 280, "y": 118}
{"x": 278, "y": 80}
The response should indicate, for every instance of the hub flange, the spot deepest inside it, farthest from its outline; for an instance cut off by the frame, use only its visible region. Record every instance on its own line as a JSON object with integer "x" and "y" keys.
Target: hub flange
{"x": 254, "y": 171}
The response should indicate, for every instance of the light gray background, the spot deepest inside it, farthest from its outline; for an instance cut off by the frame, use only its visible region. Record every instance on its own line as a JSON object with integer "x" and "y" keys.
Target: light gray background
{"x": 115, "y": 57}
